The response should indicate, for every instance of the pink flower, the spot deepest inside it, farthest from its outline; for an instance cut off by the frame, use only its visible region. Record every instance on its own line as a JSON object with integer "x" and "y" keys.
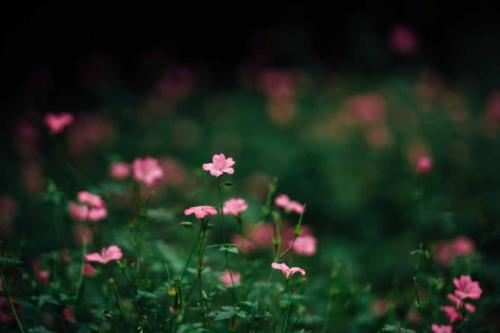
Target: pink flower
{"x": 459, "y": 303}
{"x": 452, "y": 313}
{"x": 88, "y": 270}
{"x": 287, "y": 271}
{"x": 463, "y": 246}
{"x": 234, "y": 206}
{"x": 367, "y": 108}
{"x": 441, "y": 328}
{"x": 443, "y": 253}
{"x": 147, "y": 171}
{"x": 69, "y": 315}
{"x": 90, "y": 208}
{"x": 42, "y": 276}
{"x": 230, "y": 278}
{"x": 58, "y": 122}
{"x": 424, "y": 164}
{"x": 286, "y": 203}
{"x": 244, "y": 245}
{"x": 119, "y": 170}
{"x": 200, "y": 211}
{"x": 262, "y": 235}
{"x": 305, "y": 245}
{"x": 469, "y": 307}
{"x": 403, "y": 40}
{"x": 111, "y": 253}
{"x": 220, "y": 165}
{"x": 467, "y": 288}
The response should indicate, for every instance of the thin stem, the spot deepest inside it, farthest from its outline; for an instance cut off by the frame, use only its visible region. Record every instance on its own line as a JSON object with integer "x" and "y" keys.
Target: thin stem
{"x": 80, "y": 278}
{"x": 11, "y": 303}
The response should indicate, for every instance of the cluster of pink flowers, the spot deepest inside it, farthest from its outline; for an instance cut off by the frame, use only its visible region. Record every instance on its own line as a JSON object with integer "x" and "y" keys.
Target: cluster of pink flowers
{"x": 261, "y": 237}
{"x": 289, "y": 205}
{"x": 466, "y": 289}
{"x": 145, "y": 170}
{"x": 90, "y": 207}
{"x": 58, "y": 122}
{"x": 445, "y": 252}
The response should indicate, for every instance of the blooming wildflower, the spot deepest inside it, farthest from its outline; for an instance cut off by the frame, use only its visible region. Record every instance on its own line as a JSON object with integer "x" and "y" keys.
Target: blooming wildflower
{"x": 288, "y": 271}
{"x": 58, "y": 122}
{"x": 200, "y": 211}
{"x": 90, "y": 207}
{"x": 88, "y": 270}
{"x": 111, "y": 253}
{"x": 147, "y": 171}
{"x": 230, "y": 278}
{"x": 220, "y": 165}
{"x": 441, "y": 328}
{"x": 119, "y": 170}
{"x": 305, "y": 245}
{"x": 463, "y": 246}
{"x": 467, "y": 288}
{"x": 452, "y": 313}
{"x": 286, "y": 203}
{"x": 234, "y": 206}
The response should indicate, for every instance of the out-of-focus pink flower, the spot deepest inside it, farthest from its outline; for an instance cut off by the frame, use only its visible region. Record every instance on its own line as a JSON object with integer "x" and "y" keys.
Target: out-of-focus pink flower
{"x": 244, "y": 245}
{"x": 459, "y": 303}
{"x": 119, "y": 170}
{"x": 220, "y": 165}
{"x": 305, "y": 245}
{"x": 32, "y": 176}
{"x": 443, "y": 253}
{"x": 470, "y": 308}
{"x": 88, "y": 270}
{"x": 112, "y": 253}
{"x": 467, "y": 288}
{"x": 463, "y": 246}
{"x": 6, "y": 315}
{"x": 89, "y": 131}
{"x": 230, "y": 278}
{"x": 368, "y": 108}
{"x": 147, "y": 171}
{"x": 234, "y": 206}
{"x": 26, "y": 138}
{"x": 69, "y": 315}
{"x": 277, "y": 84}
{"x": 403, "y": 40}
{"x": 42, "y": 276}
{"x": 82, "y": 234}
{"x": 378, "y": 136}
{"x": 288, "y": 271}
{"x": 424, "y": 164}
{"x": 89, "y": 208}
{"x": 286, "y": 203}
{"x": 58, "y": 122}
{"x": 441, "y": 328}
{"x": 262, "y": 235}
{"x": 413, "y": 317}
{"x": 200, "y": 211}
{"x": 174, "y": 173}
{"x": 380, "y": 307}
{"x": 452, "y": 313}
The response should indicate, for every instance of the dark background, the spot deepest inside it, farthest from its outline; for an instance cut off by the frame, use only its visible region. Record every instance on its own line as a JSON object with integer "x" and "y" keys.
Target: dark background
{"x": 461, "y": 41}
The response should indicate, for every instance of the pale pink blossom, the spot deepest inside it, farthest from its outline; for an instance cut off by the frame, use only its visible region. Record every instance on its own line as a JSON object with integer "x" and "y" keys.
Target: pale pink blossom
{"x": 424, "y": 164}
{"x": 467, "y": 288}
{"x": 452, "y": 313}
{"x": 88, "y": 270}
{"x": 288, "y": 271}
{"x": 147, "y": 171}
{"x": 463, "y": 246}
{"x": 469, "y": 307}
{"x": 200, "y": 211}
{"x": 230, "y": 278}
{"x": 441, "y": 328}
{"x": 58, "y": 122}
{"x": 286, "y": 203}
{"x": 220, "y": 165}
{"x": 89, "y": 208}
{"x": 112, "y": 253}
{"x": 305, "y": 245}
{"x": 234, "y": 206}
{"x": 119, "y": 170}
{"x": 69, "y": 315}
